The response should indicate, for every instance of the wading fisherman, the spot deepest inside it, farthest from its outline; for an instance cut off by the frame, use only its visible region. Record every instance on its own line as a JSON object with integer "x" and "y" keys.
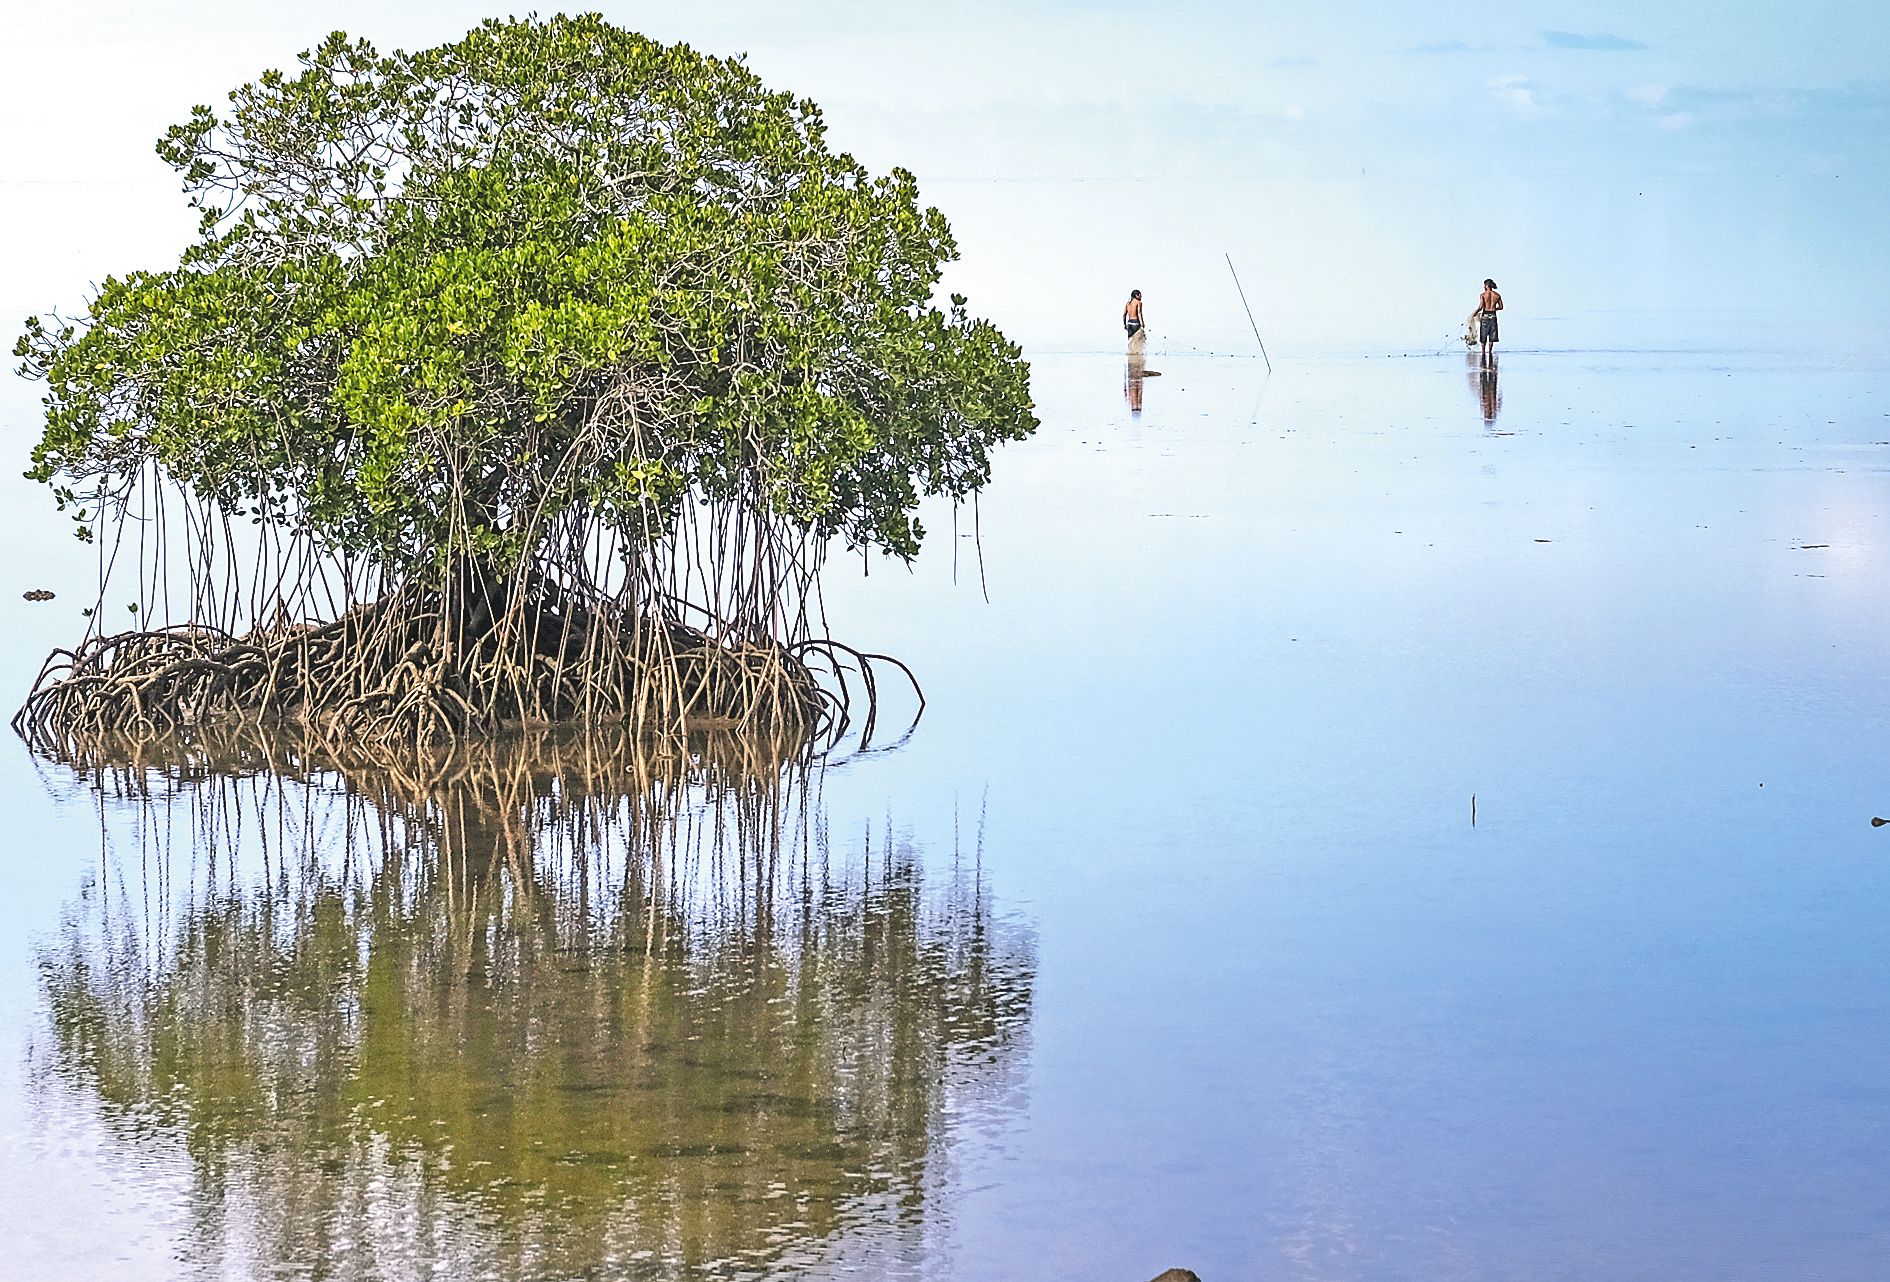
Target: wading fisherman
{"x": 1489, "y": 303}
{"x": 1133, "y": 323}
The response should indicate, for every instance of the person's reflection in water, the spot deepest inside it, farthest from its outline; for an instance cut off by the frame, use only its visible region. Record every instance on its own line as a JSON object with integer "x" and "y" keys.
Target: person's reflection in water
{"x": 1132, "y": 379}
{"x": 1481, "y": 375}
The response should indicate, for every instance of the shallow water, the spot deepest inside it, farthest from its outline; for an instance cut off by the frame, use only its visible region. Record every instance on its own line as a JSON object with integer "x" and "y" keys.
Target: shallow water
{"x": 1169, "y": 937}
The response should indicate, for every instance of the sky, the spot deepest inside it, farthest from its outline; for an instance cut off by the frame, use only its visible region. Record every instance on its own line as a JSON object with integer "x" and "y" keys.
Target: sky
{"x": 1688, "y": 173}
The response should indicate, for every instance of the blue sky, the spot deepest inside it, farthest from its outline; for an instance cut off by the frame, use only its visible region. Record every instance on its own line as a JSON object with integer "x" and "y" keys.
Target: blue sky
{"x": 1365, "y": 163}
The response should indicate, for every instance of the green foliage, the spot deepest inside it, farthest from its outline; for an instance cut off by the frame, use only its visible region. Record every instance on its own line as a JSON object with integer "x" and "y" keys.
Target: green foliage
{"x": 442, "y": 299}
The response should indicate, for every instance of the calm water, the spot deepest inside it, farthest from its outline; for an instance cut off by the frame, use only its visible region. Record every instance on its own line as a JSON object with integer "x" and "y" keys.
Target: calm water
{"x": 1168, "y": 938}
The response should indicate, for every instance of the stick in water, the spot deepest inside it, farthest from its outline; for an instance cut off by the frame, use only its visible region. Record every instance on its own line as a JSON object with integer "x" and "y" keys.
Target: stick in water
{"x": 1249, "y": 310}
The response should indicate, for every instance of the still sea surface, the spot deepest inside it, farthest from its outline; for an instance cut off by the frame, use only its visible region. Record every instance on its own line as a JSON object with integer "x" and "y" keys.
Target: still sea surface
{"x": 1383, "y": 820}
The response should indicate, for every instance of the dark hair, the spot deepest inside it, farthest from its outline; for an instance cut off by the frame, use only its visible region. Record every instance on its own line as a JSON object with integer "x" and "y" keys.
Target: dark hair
{"x": 1488, "y": 283}
{"x": 1135, "y": 293}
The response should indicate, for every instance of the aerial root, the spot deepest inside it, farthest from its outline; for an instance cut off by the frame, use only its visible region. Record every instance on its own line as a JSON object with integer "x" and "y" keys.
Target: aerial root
{"x": 424, "y": 670}
{"x": 837, "y": 692}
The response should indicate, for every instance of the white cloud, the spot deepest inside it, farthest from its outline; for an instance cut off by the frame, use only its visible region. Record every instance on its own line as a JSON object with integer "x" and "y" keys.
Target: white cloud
{"x": 1649, "y": 95}
{"x": 1518, "y": 92}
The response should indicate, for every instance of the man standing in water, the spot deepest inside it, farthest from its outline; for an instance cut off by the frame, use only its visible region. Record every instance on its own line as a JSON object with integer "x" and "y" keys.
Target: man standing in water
{"x": 1133, "y": 323}
{"x": 1488, "y": 305}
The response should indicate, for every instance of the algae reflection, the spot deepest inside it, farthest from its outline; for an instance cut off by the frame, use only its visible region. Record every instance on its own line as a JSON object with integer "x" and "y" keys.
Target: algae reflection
{"x": 540, "y": 1008}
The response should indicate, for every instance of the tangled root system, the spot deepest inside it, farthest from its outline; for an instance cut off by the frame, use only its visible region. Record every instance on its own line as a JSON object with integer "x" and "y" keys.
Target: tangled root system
{"x": 415, "y": 668}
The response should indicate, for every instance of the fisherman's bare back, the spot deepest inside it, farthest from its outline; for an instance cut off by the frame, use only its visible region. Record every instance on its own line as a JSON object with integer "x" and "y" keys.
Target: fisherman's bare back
{"x": 1489, "y": 303}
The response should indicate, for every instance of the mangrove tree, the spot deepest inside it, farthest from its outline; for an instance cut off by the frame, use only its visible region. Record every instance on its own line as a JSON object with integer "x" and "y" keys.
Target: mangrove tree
{"x": 531, "y": 378}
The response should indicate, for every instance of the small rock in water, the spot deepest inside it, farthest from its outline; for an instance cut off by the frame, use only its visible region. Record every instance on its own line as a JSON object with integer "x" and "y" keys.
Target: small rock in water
{"x": 38, "y": 594}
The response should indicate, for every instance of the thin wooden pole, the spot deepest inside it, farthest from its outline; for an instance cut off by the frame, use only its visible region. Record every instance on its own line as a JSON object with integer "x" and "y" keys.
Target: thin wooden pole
{"x": 1249, "y": 311}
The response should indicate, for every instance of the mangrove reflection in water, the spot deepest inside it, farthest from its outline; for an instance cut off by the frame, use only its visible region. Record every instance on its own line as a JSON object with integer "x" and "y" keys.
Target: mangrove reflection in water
{"x": 536, "y": 1011}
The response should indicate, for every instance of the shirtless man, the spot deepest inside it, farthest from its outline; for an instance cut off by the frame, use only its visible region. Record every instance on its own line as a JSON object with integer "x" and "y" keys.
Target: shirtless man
{"x": 1133, "y": 323}
{"x": 1489, "y": 303}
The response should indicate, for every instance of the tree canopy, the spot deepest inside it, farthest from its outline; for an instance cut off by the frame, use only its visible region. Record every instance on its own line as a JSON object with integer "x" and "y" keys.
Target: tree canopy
{"x": 440, "y": 299}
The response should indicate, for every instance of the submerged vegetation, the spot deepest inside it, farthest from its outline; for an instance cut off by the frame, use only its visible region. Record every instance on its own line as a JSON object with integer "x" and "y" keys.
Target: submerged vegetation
{"x": 527, "y": 379}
